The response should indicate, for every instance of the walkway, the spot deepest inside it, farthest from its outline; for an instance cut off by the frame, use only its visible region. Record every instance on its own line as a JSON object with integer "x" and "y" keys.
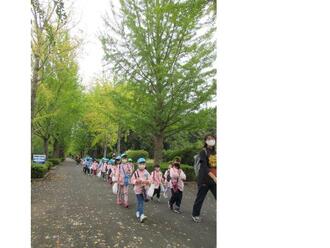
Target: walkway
{"x": 70, "y": 209}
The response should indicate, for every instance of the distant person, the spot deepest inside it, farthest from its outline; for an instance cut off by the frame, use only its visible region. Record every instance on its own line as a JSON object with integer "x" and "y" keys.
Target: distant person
{"x": 110, "y": 170}
{"x": 207, "y": 176}
{"x": 94, "y": 167}
{"x": 104, "y": 168}
{"x": 177, "y": 176}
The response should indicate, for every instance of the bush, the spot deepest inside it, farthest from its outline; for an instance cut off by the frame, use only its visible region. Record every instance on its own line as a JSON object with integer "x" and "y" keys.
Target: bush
{"x": 49, "y": 164}
{"x": 54, "y": 161}
{"x": 136, "y": 154}
{"x": 187, "y": 169}
{"x": 62, "y": 159}
{"x": 186, "y": 154}
{"x": 39, "y": 170}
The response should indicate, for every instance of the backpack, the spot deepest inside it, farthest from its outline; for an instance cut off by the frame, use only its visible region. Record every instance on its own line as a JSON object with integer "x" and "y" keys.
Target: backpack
{"x": 168, "y": 178}
{"x": 126, "y": 177}
{"x": 197, "y": 162}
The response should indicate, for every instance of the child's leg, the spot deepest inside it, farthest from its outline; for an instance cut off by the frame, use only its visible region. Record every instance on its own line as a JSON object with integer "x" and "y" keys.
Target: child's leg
{"x": 158, "y": 192}
{"x": 178, "y": 199}
{"x": 172, "y": 199}
{"x": 126, "y": 195}
{"x": 139, "y": 204}
{"x": 119, "y": 194}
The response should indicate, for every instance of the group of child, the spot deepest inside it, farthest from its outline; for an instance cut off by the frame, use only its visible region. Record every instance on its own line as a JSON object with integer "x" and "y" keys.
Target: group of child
{"x": 120, "y": 173}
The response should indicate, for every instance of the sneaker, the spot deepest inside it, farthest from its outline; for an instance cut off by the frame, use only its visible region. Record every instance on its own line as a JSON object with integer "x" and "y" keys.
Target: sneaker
{"x": 126, "y": 206}
{"x": 169, "y": 205}
{"x": 138, "y": 214}
{"x": 165, "y": 195}
{"x": 177, "y": 210}
{"x": 197, "y": 219}
{"x": 151, "y": 198}
{"x": 158, "y": 200}
{"x": 143, "y": 218}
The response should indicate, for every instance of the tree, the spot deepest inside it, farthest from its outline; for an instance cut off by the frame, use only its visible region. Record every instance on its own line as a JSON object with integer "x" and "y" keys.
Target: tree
{"x": 106, "y": 116}
{"x": 47, "y": 21}
{"x": 58, "y": 97}
{"x": 165, "y": 49}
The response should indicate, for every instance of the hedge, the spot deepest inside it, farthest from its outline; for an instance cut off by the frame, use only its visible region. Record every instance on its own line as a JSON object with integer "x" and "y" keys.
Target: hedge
{"x": 55, "y": 161}
{"x": 188, "y": 170}
{"x": 39, "y": 170}
{"x": 136, "y": 154}
{"x": 186, "y": 154}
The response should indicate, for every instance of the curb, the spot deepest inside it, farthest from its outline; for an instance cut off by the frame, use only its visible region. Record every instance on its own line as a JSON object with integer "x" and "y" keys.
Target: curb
{"x": 40, "y": 179}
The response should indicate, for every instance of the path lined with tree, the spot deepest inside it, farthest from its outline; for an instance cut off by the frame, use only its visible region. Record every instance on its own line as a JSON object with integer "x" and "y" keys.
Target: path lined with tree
{"x": 70, "y": 209}
{"x": 159, "y": 56}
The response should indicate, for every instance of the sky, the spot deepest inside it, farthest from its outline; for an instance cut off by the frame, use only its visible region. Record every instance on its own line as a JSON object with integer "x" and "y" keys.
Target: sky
{"x": 87, "y": 15}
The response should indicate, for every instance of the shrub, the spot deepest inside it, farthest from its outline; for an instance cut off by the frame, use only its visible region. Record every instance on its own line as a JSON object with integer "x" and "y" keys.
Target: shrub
{"x": 186, "y": 154}
{"x": 54, "y": 161}
{"x": 62, "y": 159}
{"x": 38, "y": 170}
{"x": 136, "y": 154}
{"x": 49, "y": 164}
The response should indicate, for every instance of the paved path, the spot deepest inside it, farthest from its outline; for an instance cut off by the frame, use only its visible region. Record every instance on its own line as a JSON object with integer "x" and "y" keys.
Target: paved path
{"x": 70, "y": 209}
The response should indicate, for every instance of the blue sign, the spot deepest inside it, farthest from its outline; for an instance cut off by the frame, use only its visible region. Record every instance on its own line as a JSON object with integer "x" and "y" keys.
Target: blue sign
{"x": 39, "y": 158}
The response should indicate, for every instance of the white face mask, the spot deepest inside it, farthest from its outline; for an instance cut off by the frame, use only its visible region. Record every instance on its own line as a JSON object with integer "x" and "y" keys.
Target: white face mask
{"x": 142, "y": 166}
{"x": 124, "y": 161}
{"x": 210, "y": 142}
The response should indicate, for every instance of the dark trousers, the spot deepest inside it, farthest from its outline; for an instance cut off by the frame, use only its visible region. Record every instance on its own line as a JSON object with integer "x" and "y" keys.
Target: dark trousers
{"x": 176, "y": 198}
{"x": 157, "y": 192}
{"x": 86, "y": 170}
{"x": 201, "y": 194}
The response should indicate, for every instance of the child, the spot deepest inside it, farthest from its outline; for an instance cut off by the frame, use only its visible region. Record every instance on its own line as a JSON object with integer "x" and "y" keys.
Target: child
{"x": 140, "y": 180}
{"x": 157, "y": 180}
{"x": 104, "y": 167}
{"x": 114, "y": 169}
{"x": 94, "y": 167}
{"x": 110, "y": 170}
{"x": 177, "y": 176}
{"x": 167, "y": 179}
{"x": 123, "y": 175}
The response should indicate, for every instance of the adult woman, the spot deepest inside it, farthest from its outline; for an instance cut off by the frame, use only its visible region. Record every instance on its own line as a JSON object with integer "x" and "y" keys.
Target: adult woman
{"x": 207, "y": 175}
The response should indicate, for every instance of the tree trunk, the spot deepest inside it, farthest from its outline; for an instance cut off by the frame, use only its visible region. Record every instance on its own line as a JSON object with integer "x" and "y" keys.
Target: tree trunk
{"x": 34, "y": 85}
{"x": 118, "y": 141}
{"x": 56, "y": 149}
{"x": 61, "y": 153}
{"x": 105, "y": 150}
{"x": 158, "y": 148}
{"x": 46, "y": 147}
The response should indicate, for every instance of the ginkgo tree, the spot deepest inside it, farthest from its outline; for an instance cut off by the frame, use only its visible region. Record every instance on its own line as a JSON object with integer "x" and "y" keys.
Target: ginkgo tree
{"x": 58, "y": 98}
{"x": 106, "y": 116}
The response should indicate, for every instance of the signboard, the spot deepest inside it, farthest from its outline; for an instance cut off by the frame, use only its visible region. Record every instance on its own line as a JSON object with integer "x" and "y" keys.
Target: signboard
{"x": 39, "y": 158}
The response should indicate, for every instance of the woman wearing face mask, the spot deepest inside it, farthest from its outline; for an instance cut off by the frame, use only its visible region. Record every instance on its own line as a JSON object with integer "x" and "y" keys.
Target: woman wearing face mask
{"x": 207, "y": 176}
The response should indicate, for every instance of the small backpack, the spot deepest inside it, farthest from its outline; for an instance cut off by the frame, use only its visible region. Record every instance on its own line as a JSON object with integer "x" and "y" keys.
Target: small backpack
{"x": 168, "y": 178}
{"x": 197, "y": 163}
